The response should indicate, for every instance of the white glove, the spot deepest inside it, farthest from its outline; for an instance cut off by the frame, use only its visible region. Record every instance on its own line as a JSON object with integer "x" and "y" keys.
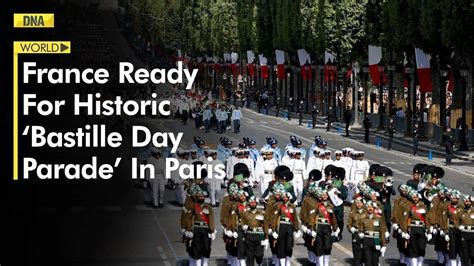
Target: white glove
{"x": 382, "y": 251}
{"x": 297, "y": 234}
{"x": 274, "y": 235}
{"x": 245, "y": 227}
{"x": 441, "y": 232}
{"x": 336, "y": 233}
{"x": 361, "y": 235}
{"x": 387, "y": 234}
{"x": 395, "y": 227}
{"x": 435, "y": 231}
{"x": 212, "y": 236}
{"x": 446, "y": 237}
{"x": 461, "y": 227}
{"x": 429, "y": 237}
{"x": 183, "y": 231}
{"x": 235, "y": 235}
{"x": 405, "y": 236}
{"x": 313, "y": 233}
{"x": 190, "y": 235}
{"x": 304, "y": 228}
{"x": 264, "y": 243}
{"x": 399, "y": 231}
{"x": 431, "y": 229}
{"x": 270, "y": 231}
{"x": 353, "y": 230}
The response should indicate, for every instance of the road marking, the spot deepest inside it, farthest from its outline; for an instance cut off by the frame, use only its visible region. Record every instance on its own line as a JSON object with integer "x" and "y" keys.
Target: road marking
{"x": 343, "y": 249}
{"x": 165, "y": 235}
{"x": 162, "y": 253}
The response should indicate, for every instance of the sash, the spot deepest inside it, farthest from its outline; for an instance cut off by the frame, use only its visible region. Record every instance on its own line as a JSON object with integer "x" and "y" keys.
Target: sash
{"x": 322, "y": 208}
{"x": 203, "y": 216}
{"x": 420, "y": 216}
{"x": 241, "y": 208}
{"x": 284, "y": 210}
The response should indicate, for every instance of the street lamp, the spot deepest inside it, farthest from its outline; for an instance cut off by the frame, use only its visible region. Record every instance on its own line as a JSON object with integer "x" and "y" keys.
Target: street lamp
{"x": 335, "y": 66}
{"x": 409, "y": 69}
{"x": 365, "y": 69}
{"x": 381, "y": 69}
{"x": 443, "y": 71}
{"x": 356, "y": 69}
{"x": 330, "y": 69}
{"x": 391, "y": 70}
{"x": 464, "y": 71}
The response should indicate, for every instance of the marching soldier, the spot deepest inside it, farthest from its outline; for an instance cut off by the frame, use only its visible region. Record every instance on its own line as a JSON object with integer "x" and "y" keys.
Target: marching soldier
{"x": 272, "y": 144}
{"x": 438, "y": 205}
{"x": 290, "y": 108}
{"x": 297, "y": 166}
{"x": 324, "y": 226}
{"x": 285, "y": 228}
{"x": 226, "y": 209}
{"x": 354, "y": 225}
{"x": 255, "y": 238}
{"x": 360, "y": 168}
{"x": 400, "y": 206}
{"x": 198, "y": 145}
{"x": 466, "y": 228}
{"x": 372, "y": 231}
{"x": 314, "y": 161}
{"x": 417, "y": 172}
{"x": 158, "y": 181}
{"x": 417, "y": 228}
{"x": 264, "y": 169}
{"x": 237, "y": 226}
{"x": 338, "y": 193}
{"x": 214, "y": 182}
{"x": 269, "y": 221}
{"x": 200, "y": 228}
{"x": 309, "y": 201}
{"x": 449, "y": 225}
{"x": 224, "y": 150}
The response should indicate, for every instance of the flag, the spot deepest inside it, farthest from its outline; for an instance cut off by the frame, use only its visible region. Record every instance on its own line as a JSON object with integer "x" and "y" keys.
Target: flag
{"x": 263, "y": 66}
{"x": 423, "y": 71}
{"x": 250, "y": 61}
{"x": 328, "y": 72}
{"x": 304, "y": 58}
{"x": 375, "y": 55}
{"x": 280, "y": 60}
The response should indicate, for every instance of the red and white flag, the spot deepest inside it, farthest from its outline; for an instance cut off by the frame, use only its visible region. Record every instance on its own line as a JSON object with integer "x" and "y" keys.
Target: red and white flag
{"x": 304, "y": 58}
{"x": 250, "y": 61}
{"x": 263, "y": 66}
{"x": 423, "y": 69}
{"x": 280, "y": 60}
{"x": 375, "y": 55}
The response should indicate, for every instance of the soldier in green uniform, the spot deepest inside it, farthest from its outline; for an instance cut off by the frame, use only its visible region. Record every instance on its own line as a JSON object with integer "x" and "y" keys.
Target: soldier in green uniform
{"x": 324, "y": 225}
{"x": 236, "y": 226}
{"x": 449, "y": 228}
{"x": 309, "y": 201}
{"x": 372, "y": 231}
{"x": 255, "y": 237}
{"x": 270, "y": 222}
{"x": 400, "y": 206}
{"x": 203, "y": 229}
{"x": 466, "y": 228}
{"x": 285, "y": 228}
{"x": 353, "y": 225}
{"x": 226, "y": 209}
{"x": 417, "y": 227}
{"x": 338, "y": 198}
{"x": 439, "y": 203}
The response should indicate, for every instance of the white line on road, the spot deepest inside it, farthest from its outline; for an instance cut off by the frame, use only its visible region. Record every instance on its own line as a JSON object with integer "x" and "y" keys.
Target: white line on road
{"x": 162, "y": 253}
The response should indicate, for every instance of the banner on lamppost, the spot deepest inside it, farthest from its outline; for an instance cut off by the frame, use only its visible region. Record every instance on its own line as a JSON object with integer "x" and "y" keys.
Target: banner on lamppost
{"x": 305, "y": 63}
{"x": 423, "y": 70}
{"x": 375, "y": 55}
{"x": 250, "y": 62}
{"x": 263, "y": 66}
{"x": 280, "y": 60}
{"x": 328, "y": 69}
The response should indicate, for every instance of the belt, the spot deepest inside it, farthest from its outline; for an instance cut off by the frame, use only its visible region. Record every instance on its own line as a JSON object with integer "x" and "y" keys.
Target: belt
{"x": 285, "y": 222}
{"x": 372, "y": 234}
{"x": 297, "y": 172}
{"x": 201, "y": 224}
{"x": 323, "y": 220}
{"x": 418, "y": 223}
{"x": 268, "y": 172}
{"x": 468, "y": 228}
{"x": 255, "y": 230}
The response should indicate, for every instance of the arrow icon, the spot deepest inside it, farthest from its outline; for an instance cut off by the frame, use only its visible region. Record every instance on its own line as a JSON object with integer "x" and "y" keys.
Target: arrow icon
{"x": 64, "y": 47}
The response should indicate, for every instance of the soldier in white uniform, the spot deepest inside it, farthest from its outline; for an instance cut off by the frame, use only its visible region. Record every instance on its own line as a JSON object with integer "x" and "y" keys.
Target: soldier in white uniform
{"x": 327, "y": 159}
{"x": 360, "y": 168}
{"x": 251, "y": 165}
{"x": 297, "y": 166}
{"x": 287, "y": 157}
{"x": 338, "y": 162}
{"x": 314, "y": 161}
{"x": 347, "y": 160}
{"x": 214, "y": 183}
{"x": 264, "y": 169}
{"x": 158, "y": 181}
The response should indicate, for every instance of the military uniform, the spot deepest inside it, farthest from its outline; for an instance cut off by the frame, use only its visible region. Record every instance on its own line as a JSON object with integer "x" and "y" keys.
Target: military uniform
{"x": 285, "y": 225}
{"x": 323, "y": 224}
{"x": 449, "y": 226}
{"x": 417, "y": 226}
{"x": 252, "y": 221}
{"x": 466, "y": 228}
{"x": 309, "y": 236}
{"x": 372, "y": 230}
{"x": 353, "y": 225}
{"x": 400, "y": 206}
